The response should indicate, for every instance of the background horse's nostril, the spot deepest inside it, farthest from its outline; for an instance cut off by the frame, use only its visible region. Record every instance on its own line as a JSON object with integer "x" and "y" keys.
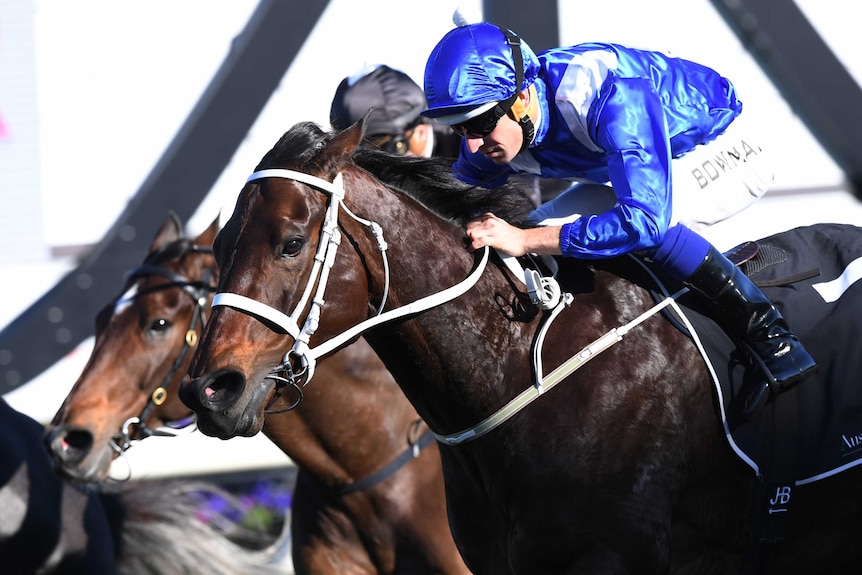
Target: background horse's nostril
{"x": 78, "y": 439}
{"x": 69, "y": 445}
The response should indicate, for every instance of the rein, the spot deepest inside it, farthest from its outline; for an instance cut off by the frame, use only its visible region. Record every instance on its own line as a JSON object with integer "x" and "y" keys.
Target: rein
{"x": 199, "y": 292}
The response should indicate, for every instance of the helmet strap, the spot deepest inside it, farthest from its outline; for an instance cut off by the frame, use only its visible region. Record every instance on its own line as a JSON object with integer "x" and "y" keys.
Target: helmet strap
{"x": 517, "y": 110}
{"x": 528, "y": 130}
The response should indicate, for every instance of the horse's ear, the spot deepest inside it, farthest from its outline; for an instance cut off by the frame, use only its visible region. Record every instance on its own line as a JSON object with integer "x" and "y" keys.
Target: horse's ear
{"x": 208, "y": 235}
{"x": 170, "y": 231}
{"x": 352, "y": 136}
{"x": 363, "y": 121}
{"x": 339, "y": 150}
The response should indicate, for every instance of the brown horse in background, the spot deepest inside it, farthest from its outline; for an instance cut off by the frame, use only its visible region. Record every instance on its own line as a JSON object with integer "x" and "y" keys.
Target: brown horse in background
{"x": 624, "y": 467}
{"x": 368, "y": 497}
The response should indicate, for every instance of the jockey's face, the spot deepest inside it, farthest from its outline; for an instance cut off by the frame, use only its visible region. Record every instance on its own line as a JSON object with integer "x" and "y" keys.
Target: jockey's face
{"x": 500, "y": 145}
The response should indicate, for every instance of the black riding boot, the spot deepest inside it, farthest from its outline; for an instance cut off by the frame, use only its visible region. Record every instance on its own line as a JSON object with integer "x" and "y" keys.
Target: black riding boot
{"x": 753, "y": 318}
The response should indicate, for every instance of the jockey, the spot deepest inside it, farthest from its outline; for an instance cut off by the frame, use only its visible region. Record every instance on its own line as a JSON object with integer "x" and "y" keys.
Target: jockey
{"x": 395, "y": 101}
{"x": 605, "y": 113}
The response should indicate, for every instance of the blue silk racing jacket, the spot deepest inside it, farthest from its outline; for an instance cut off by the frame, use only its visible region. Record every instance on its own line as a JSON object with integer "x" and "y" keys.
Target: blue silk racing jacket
{"x": 612, "y": 114}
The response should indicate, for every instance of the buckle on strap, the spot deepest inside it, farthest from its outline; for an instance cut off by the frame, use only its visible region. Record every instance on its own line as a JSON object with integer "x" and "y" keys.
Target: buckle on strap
{"x": 545, "y": 292}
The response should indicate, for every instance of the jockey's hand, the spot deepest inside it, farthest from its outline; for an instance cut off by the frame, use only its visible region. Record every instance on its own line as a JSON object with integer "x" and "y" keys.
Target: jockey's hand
{"x": 489, "y": 230}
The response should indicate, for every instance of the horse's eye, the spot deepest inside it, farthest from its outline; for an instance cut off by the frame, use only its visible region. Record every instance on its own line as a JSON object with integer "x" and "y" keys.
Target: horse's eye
{"x": 160, "y": 325}
{"x": 292, "y": 246}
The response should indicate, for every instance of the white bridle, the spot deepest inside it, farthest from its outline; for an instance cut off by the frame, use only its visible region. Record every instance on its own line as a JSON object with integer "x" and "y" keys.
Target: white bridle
{"x": 330, "y": 238}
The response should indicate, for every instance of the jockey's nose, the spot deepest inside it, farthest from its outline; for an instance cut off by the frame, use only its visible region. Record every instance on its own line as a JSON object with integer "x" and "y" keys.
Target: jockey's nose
{"x": 473, "y": 144}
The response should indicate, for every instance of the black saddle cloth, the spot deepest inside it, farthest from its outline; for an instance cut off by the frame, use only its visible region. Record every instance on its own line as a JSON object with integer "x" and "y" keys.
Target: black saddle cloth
{"x": 811, "y": 274}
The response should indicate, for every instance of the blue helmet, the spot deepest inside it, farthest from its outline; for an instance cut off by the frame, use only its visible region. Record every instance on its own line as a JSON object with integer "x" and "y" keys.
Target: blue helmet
{"x": 472, "y": 69}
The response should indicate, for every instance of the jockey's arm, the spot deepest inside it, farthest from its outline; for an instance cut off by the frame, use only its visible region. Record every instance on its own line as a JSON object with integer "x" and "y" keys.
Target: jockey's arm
{"x": 489, "y": 230}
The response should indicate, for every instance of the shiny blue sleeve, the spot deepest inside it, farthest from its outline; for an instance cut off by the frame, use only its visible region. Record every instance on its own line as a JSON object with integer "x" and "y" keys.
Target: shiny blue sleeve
{"x": 628, "y": 122}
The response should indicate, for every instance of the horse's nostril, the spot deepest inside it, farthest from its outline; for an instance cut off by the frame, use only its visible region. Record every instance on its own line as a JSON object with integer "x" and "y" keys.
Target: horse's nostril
{"x": 225, "y": 387}
{"x": 218, "y": 389}
{"x": 70, "y": 445}
{"x": 79, "y": 440}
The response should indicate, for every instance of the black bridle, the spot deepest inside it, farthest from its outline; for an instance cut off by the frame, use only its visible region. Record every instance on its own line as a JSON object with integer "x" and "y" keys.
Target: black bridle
{"x": 199, "y": 292}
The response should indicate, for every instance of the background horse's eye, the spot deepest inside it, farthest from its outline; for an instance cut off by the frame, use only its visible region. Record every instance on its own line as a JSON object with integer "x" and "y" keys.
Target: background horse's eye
{"x": 292, "y": 246}
{"x": 160, "y": 325}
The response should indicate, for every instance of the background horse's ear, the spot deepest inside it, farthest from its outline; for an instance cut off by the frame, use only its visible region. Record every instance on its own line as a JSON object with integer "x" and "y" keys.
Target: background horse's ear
{"x": 208, "y": 235}
{"x": 170, "y": 231}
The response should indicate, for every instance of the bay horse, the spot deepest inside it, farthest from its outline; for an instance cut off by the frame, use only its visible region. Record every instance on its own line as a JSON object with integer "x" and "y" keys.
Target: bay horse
{"x": 623, "y": 467}
{"x": 369, "y": 493}
{"x": 49, "y": 526}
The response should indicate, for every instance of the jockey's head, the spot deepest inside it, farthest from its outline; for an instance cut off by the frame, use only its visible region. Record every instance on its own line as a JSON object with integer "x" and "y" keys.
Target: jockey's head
{"x": 473, "y": 78}
{"x": 394, "y": 101}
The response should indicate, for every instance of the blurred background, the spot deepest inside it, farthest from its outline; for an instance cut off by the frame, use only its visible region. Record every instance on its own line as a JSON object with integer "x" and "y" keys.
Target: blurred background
{"x": 113, "y": 113}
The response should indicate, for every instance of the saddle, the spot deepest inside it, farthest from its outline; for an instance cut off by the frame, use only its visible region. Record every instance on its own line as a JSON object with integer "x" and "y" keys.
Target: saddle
{"x": 814, "y": 430}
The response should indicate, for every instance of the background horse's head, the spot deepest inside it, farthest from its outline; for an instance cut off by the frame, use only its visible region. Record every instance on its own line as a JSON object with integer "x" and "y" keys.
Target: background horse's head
{"x": 145, "y": 339}
{"x": 57, "y": 527}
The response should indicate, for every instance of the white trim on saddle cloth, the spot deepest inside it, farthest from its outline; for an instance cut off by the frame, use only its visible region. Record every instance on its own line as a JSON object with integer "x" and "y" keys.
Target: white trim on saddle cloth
{"x": 832, "y": 290}
{"x": 680, "y": 316}
{"x": 829, "y": 437}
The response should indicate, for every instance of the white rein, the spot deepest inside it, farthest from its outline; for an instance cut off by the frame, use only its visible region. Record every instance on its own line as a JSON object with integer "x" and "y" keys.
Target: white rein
{"x": 325, "y": 258}
{"x": 330, "y": 238}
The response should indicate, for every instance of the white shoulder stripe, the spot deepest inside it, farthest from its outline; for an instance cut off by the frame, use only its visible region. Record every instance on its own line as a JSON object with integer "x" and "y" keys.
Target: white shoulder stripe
{"x": 579, "y": 88}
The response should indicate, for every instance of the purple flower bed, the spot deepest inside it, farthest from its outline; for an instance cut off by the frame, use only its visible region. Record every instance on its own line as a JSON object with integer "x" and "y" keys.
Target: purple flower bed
{"x": 251, "y": 513}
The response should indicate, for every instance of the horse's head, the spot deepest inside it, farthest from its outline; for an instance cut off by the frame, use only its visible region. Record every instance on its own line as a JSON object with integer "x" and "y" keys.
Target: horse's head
{"x": 144, "y": 341}
{"x": 270, "y": 251}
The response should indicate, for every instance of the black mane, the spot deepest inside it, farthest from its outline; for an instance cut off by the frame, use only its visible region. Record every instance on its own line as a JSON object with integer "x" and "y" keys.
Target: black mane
{"x": 297, "y": 148}
{"x": 429, "y": 181}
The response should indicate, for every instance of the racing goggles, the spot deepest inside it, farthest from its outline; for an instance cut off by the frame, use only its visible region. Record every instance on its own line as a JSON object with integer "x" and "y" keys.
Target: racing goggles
{"x": 484, "y": 123}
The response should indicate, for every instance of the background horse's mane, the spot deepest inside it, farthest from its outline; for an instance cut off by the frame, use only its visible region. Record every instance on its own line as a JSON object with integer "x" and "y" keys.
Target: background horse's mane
{"x": 427, "y": 180}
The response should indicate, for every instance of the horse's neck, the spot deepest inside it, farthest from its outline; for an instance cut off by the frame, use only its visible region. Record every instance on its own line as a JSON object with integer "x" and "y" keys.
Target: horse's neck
{"x": 476, "y": 351}
{"x": 352, "y": 421}
{"x": 454, "y": 341}
{"x": 459, "y": 345}
{"x": 426, "y": 254}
